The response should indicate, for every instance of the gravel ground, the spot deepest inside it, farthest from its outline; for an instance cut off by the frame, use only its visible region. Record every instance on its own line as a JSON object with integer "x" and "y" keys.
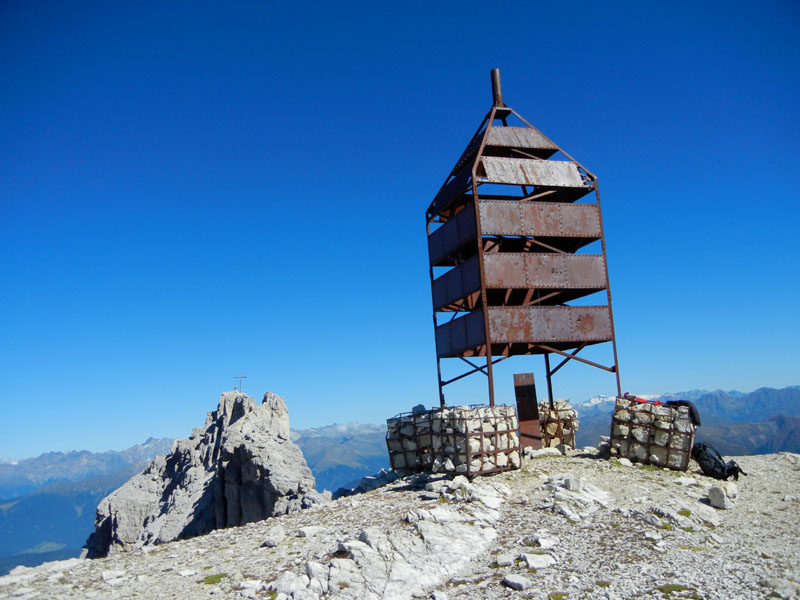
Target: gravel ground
{"x": 594, "y": 529}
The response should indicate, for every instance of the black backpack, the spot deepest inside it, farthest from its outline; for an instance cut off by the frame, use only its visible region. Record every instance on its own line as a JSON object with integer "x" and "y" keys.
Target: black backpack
{"x": 712, "y": 463}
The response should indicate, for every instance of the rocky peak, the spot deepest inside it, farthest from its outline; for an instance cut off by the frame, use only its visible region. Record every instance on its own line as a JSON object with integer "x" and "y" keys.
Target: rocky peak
{"x": 238, "y": 468}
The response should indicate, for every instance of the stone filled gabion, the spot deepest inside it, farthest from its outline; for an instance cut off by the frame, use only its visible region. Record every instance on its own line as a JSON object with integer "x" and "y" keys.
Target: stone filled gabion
{"x": 558, "y": 424}
{"x": 652, "y": 433}
{"x": 459, "y": 439}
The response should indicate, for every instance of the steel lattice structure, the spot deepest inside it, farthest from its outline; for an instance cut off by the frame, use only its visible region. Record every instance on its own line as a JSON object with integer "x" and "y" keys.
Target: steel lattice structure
{"x": 505, "y": 234}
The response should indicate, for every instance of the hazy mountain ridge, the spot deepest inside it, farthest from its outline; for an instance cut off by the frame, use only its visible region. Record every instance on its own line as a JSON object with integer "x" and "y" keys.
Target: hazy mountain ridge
{"x": 20, "y": 477}
{"x": 339, "y": 454}
{"x": 775, "y": 434}
{"x": 59, "y": 514}
{"x": 53, "y": 520}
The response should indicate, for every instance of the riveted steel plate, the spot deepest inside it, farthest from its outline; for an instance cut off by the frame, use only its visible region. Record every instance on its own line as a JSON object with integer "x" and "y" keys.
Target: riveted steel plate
{"x": 546, "y": 219}
{"x": 455, "y": 337}
{"x": 457, "y": 283}
{"x": 565, "y": 271}
{"x": 524, "y": 171}
{"x": 577, "y": 220}
{"x": 505, "y": 270}
{"x": 500, "y": 217}
{"x": 519, "y": 137}
{"x": 452, "y": 235}
{"x": 549, "y": 324}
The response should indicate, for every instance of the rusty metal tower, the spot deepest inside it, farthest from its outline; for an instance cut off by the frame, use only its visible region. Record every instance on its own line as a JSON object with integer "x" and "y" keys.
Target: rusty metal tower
{"x": 505, "y": 234}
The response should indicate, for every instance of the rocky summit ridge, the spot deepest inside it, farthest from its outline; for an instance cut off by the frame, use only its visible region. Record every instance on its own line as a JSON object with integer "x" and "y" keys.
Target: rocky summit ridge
{"x": 571, "y": 526}
{"x": 240, "y": 467}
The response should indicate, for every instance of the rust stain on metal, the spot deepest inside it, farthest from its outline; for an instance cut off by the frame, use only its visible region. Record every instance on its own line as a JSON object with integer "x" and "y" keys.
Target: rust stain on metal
{"x": 549, "y": 324}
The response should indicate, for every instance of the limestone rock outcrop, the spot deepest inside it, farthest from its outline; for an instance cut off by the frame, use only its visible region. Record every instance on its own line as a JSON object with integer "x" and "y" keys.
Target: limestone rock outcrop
{"x": 240, "y": 467}
{"x": 574, "y": 525}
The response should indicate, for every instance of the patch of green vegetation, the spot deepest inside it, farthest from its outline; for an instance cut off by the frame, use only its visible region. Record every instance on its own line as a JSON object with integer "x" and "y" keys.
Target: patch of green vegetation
{"x": 529, "y": 543}
{"x": 603, "y": 584}
{"x": 443, "y": 500}
{"x": 693, "y": 548}
{"x": 557, "y": 595}
{"x": 214, "y": 579}
{"x": 685, "y": 512}
{"x": 615, "y": 525}
{"x": 671, "y": 588}
{"x": 774, "y": 595}
{"x": 614, "y": 462}
{"x": 766, "y": 514}
{"x": 667, "y": 526}
{"x": 688, "y": 529}
{"x": 494, "y": 565}
{"x": 650, "y": 468}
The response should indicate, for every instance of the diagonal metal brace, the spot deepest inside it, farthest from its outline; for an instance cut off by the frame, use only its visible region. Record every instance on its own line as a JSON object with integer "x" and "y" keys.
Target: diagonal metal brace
{"x": 569, "y": 358}
{"x": 612, "y": 369}
{"x": 475, "y": 370}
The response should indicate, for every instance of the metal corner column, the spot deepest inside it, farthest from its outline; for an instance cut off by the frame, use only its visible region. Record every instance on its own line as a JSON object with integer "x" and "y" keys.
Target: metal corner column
{"x": 608, "y": 287}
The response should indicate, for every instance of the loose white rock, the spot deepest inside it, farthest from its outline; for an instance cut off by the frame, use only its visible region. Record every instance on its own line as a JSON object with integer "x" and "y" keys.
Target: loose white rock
{"x": 718, "y": 498}
{"x": 310, "y": 531}
{"x": 537, "y": 561}
{"x": 517, "y": 582}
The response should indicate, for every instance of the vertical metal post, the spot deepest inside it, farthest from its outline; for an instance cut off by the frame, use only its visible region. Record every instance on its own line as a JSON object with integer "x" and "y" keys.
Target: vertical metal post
{"x": 608, "y": 287}
{"x": 530, "y": 432}
{"x": 497, "y": 90}
{"x": 435, "y": 323}
{"x": 549, "y": 382}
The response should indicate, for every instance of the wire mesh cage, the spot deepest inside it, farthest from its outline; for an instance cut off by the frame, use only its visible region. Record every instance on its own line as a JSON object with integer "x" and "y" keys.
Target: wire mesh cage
{"x": 469, "y": 440}
{"x": 652, "y": 433}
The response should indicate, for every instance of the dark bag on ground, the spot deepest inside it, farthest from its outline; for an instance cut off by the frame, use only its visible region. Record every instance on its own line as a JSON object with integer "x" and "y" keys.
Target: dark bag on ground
{"x": 712, "y": 463}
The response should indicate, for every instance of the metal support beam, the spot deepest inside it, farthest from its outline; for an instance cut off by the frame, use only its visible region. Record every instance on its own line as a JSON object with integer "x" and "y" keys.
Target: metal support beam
{"x": 569, "y": 358}
{"x": 549, "y": 382}
{"x": 612, "y": 369}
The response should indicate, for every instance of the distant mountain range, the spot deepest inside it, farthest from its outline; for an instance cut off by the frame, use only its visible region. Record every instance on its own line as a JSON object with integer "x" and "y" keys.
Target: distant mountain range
{"x": 339, "y": 455}
{"x": 20, "y": 477}
{"x": 54, "y": 514}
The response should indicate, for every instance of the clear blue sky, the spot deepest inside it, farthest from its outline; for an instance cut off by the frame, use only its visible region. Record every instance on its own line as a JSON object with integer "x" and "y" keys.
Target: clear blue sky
{"x": 192, "y": 190}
